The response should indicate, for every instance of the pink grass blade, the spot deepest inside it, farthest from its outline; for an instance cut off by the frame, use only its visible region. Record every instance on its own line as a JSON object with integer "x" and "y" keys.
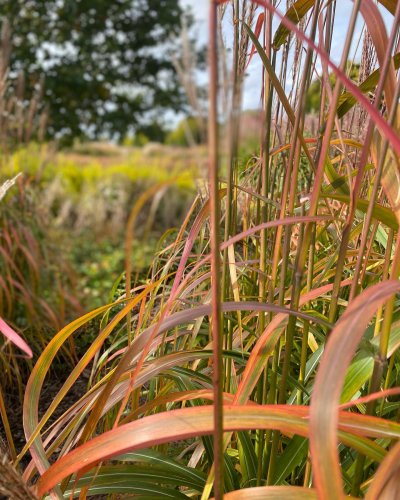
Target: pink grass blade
{"x": 395, "y": 391}
{"x": 176, "y": 397}
{"x": 249, "y": 232}
{"x": 16, "y": 339}
{"x": 273, "y": 492}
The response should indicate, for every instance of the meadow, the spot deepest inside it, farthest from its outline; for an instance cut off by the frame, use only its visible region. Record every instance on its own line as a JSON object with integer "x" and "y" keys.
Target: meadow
{"x": 248, "y": 346}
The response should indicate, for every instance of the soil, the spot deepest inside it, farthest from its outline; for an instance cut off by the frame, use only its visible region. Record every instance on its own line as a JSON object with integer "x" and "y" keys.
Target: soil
{"x": 49, "y": 391}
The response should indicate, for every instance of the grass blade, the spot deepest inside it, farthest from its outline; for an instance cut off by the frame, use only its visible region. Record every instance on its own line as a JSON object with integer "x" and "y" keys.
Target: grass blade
{"x": 13, "y": 337}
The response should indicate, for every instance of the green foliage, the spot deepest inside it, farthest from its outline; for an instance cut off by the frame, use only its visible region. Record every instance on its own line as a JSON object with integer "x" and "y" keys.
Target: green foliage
{"x": 99, "y": 264}
{"x": 102, "y": 61}
{"x": 140, "y": 139}
{"x": 78, "y": 173}
{"x": 153, "y": 132}
{"x": 187, "y": 133}
{"x": 313, "y": 99}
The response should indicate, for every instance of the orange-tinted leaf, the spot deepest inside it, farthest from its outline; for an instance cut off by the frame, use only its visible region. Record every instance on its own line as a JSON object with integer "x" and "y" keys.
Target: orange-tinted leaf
{"x": 193, "y": 422}
{"x": 31, "y": 401}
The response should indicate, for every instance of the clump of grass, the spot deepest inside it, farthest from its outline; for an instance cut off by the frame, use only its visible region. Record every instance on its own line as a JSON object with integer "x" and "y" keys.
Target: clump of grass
{"x": 35, "y": 283}
{"x": 272, "y": 313}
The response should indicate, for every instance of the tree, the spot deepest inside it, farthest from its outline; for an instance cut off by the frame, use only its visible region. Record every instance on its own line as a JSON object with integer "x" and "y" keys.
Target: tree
{"x": 105, "y": 63}
{"x": 313, "y": 99}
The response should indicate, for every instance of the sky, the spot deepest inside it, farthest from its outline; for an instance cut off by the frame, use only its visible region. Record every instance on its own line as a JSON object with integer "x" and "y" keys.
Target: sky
{"x": 252, "y": 90}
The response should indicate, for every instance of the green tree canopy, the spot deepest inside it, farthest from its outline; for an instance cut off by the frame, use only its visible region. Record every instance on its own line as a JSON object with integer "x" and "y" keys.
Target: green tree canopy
{"x": 313, "y": 98}
{"x": 105, "y": 63}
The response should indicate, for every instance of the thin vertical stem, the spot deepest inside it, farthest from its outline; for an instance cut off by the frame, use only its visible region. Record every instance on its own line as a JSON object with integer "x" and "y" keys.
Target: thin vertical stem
{"x": 265, "y": 173}
{"x": 291, "y": 177}
{"x": 213, "y": 169}
{"x": 232, "y": 162}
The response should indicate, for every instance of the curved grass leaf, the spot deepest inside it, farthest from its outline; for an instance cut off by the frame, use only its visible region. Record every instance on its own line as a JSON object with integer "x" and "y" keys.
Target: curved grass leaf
{"x": 295, "y": 14}
{"x": 193, "y": 477}
{"x": 32, "y": 426}
{"x": 347, "y": 100}
{"x": 124, "y": 478}
{"x": 386, "y": 481}
{"x": 254, "y": 230}
{"x": 115, "y": 483}
{"x": 193, "y": 422}
{"x": 371, "y": 397}
{"x": 103, "y": 401}
{"x": 143, "y": 339}
{"x": 344, "y": 339}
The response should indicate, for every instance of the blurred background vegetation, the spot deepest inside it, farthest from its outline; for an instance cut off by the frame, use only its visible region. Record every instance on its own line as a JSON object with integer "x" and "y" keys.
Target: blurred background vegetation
{"x": 92, "y": 113}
